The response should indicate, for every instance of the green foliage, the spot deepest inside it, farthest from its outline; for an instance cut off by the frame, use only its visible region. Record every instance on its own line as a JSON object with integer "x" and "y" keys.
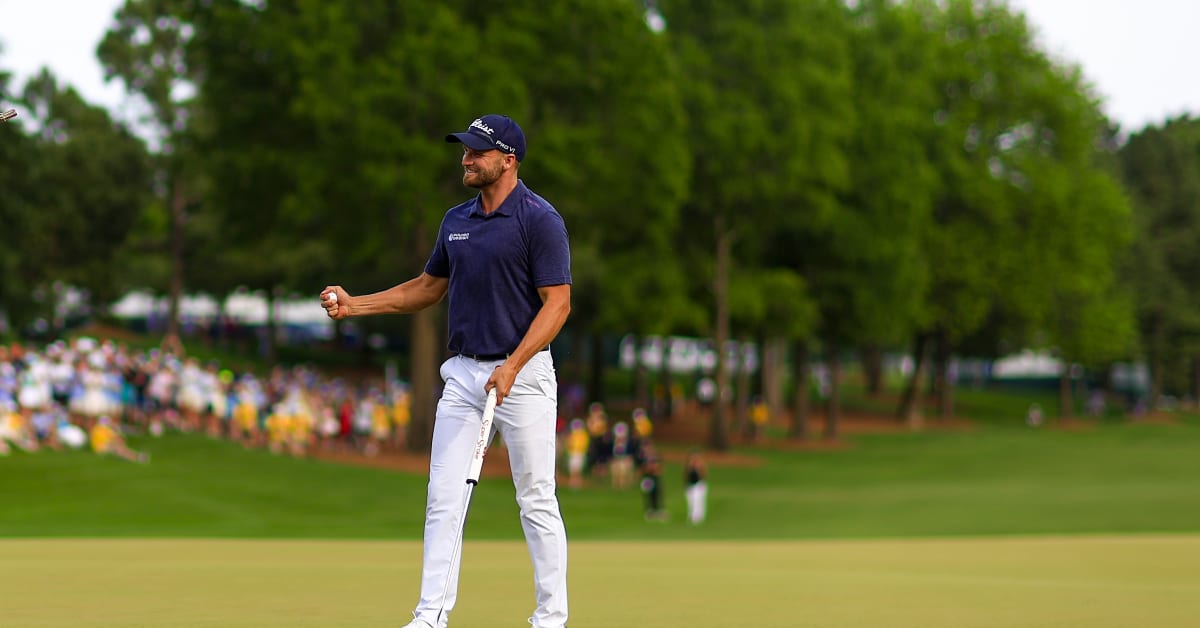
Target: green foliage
{"x": 876, "y": 169}
{"x": 75, "y": 186}
{"x": 607, "y": 133}
{"x": 867, "y": 264}
{"x": 1161, "y": 165}
{"x": 774, "y": 302}
{"x": 1028, "y": 225}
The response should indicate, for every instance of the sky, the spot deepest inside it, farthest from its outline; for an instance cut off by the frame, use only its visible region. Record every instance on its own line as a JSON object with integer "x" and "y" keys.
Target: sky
{"x": 1138, "y": 54}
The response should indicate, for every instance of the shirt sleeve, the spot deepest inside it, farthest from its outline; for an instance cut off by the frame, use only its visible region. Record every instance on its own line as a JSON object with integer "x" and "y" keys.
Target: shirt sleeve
{"x": 550, "y": 250}
{"x": 439, "y": 263}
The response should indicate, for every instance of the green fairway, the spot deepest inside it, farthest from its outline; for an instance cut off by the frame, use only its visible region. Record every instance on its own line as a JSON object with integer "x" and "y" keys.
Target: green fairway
{"x": 1082, "y": 527}
{"x": 1115, "y": 478}
{"x": 1075, "y": 581}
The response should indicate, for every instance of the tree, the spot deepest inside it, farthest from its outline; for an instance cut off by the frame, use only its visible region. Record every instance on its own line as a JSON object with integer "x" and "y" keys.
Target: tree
{"x": 252, "y": 131}
{"x": 88, "y": 181}
{"x": 1161, "y": 166}
{"x": 767, "y": 85}
{"x": 1014, "y": 144}
{"x": 604, "y": 116}
{"x": 773, "y": 307}
{"x": 18, "y": 154}
{"x": 863, "y": 262}
{"x": 146, "y": 49}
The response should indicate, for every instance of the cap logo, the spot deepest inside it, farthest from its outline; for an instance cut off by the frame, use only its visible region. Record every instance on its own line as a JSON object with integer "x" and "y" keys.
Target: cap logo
{"x": 478, "y": 124}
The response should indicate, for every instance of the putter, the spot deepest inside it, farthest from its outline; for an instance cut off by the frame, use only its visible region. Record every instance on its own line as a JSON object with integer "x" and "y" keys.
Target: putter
{"x": 481, "y": 447}
{"x": 8, "y": 115}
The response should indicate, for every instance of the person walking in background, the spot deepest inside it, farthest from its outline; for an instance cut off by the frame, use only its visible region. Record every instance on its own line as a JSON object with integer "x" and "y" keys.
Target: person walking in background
{"x": 503, "y": 262}
{"x": 695, "y": 478}
{"x": 624, "y": 448}
{"x": 651, "y": 484}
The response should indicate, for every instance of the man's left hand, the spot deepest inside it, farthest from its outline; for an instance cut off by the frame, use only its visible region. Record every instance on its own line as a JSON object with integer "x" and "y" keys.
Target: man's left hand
{"x": 502, "y": 380}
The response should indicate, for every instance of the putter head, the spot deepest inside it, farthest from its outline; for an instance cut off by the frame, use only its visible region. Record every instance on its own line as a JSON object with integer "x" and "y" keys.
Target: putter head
{"x": 8, "y": 115}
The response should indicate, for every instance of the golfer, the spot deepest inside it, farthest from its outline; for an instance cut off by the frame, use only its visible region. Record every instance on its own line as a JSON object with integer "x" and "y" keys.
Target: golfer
{"x": 503, "y": 260}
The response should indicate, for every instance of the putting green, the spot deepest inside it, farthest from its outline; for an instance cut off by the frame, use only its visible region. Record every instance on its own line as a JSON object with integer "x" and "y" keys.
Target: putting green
{"x": 1030, "y": 581}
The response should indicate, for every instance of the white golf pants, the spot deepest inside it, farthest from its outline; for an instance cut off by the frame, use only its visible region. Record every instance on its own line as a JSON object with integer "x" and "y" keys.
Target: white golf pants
{"x": 526, "y": 421}
{"x": 697, "y": 501}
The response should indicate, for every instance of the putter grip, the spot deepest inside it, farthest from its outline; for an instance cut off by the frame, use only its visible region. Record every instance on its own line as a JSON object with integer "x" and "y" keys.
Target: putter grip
{"x": 485, "y": 430}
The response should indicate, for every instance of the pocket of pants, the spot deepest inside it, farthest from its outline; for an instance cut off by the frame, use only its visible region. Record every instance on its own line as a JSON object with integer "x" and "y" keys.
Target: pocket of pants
{"x": 548, "y": 388}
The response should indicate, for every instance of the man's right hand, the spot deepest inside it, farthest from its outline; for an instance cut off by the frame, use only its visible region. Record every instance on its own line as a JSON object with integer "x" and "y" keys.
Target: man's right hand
{"x": 336, "y": 302}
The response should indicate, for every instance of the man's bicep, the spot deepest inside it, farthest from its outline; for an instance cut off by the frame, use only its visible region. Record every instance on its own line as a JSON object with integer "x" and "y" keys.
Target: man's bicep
{"x": 432, "y": 287}
{"x": 560, "y": 293}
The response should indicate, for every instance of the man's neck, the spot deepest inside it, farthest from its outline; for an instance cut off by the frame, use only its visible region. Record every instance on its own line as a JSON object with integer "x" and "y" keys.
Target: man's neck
{"x": 493, "y": 195}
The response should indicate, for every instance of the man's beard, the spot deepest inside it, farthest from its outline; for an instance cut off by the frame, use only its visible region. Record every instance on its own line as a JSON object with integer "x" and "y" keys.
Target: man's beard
{"x": 483, "y": 177}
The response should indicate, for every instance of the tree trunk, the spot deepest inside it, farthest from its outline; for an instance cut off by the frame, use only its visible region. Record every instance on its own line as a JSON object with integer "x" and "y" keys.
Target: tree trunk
{"x": 574, "y": 370}
{"x": 1156, "y": 383}
{"x": 834, "y": 406}
{"x": 910, "y": 404}
{"x": 172, "y": 340}
{"x": 718, "y": 437}
{"x": 53, "y": 298}
{"x": 872, "y": 359}
{"x": 1196, "y": 381}
{"x": 266, "y": 349}
{"x": 1157, "y": 363}
{"x": 668, "y": 407}
{"x": 424, "y": 371}
{"x": 800, "y": 376}
{"x": 426, "y": 350}
{"x": 944, "y": 387}
{"x": 772, "y": 372}
{"x": 1064, "y": 393}
{"x": 641, "y": 387}
{"x": 595, "y": 388}
{"x": 744, "y": 391}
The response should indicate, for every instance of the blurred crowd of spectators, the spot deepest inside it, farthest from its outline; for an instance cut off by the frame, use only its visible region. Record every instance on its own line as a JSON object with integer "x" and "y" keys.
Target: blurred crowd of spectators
{"x": 88, "y": 393}
{"x": 91, "y": 393}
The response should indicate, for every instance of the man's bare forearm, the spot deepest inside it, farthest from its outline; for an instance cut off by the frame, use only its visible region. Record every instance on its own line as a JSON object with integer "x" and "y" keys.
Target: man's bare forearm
{"x": 411, "y": 296}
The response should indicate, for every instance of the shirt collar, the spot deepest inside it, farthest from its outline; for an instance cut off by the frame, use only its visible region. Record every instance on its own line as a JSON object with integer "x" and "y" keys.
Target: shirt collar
{"x": 507, "y": 208}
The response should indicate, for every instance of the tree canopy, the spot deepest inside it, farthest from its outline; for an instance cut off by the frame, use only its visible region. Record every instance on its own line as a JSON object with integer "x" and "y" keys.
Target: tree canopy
{"x": 882, "y": 175}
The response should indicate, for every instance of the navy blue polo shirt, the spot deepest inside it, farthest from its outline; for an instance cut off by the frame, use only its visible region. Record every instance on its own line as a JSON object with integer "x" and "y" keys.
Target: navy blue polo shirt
{"x": 496, "y": 262}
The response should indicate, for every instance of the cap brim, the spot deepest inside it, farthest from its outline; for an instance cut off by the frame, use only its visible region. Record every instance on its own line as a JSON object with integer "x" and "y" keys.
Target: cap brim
{"x": 471, "y": 140}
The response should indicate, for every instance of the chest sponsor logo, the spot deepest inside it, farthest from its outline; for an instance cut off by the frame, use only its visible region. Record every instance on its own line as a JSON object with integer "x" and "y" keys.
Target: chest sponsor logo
{"x": 454, "y": 237}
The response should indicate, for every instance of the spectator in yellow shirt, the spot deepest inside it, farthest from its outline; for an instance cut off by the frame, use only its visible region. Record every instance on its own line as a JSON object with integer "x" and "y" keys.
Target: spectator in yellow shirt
{"x": 381, "y": 426}
{"x": 642, "y": 428}
{"x": 106, "y": 439}
{"x": 760, "y": 415}
{"x": 401, "y": 417}
{"x": 578, "y": 441}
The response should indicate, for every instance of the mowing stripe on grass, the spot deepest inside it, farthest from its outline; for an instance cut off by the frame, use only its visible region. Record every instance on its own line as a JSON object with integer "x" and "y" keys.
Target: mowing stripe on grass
{"x": 1038, "y": 581}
